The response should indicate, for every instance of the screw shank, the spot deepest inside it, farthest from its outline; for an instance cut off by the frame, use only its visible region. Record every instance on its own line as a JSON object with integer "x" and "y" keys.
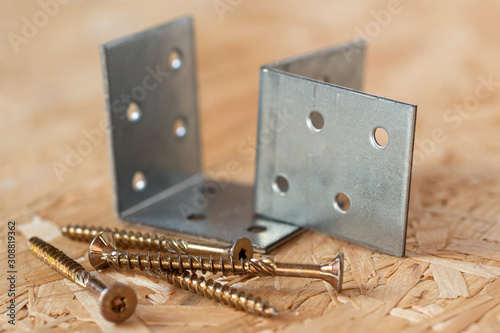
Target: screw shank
{"x": 59, "y": 261}
{"x": 219, "y": 293}
{"x": 95, "y": 286}
{"x": 296, "y": 270}
{"x": 117, "y": 302}
{"x": 205, "y": 250}
{"x": 331, "y": 273}
{"x": 125, "y": 239}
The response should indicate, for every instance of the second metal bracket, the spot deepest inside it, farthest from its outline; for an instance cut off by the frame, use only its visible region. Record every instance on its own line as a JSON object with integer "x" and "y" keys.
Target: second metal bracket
{"x": 323, "y": 159}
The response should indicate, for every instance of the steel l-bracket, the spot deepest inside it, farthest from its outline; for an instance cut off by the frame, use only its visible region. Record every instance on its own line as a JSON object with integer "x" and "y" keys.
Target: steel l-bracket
{"x": 332, "y": 158}
{"x": 319, "y": 162}
{"x": 151, "y": 102}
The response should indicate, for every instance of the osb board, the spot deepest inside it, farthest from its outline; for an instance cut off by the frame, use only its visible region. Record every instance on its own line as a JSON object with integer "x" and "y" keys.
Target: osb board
{"x": 442, "y": 56}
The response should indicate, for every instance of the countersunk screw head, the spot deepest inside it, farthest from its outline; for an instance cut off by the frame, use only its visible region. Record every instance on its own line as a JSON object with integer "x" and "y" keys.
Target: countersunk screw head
{"x": 242, "y": 249}
{"x": 118, "y": 302}
{"x": 101, "y": 247}
{"x": 334, "y": 272}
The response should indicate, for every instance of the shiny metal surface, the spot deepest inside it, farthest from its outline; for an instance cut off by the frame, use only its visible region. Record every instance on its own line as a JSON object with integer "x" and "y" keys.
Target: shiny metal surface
{"x": 104, "y": 253}
{"x": 117, "y": 302}
{"x": 241, "y": 249}
{"x": 301, "y": 170}
{"x": 137, "y": 70}
{"x": 151, "y": 101}
{"x": 216, "y": 291}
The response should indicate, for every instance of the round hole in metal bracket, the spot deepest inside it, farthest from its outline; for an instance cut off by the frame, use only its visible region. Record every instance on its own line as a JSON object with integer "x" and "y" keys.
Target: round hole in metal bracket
{"x": 380, "y": 137}
{"x": 281, "y": 185}
{"x": 139, "y": 182}
{"x": 196, "y": 217}
{"x": 175, "y": 60}
{"x": 134, "y": 113}
{"x": 209, "y": 189}
{"x": 315, "y": 121}
{"x": 256, "y": 228}
{"x": 180, "y": 129}
{"x": 342, "y": 202}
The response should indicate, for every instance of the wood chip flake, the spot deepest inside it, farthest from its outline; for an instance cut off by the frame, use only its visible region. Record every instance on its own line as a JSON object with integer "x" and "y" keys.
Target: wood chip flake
{"x": 197, "y": 316}
{"x": 458, "y": 318}
{"x": 451, "y": 282}
{"x": 430, "y": 310}
{"x": 401, "y": 282}
{"x": 493, "y": 234}
{"x": 393, "y": 269}
{"x": 460, "y": 265}
{"x": 462, "y": 321}
{"x": 408, "y": 314}
{"x": 431, "y": 239}
{"x": 362, "y": 267}
{"x": 40, "y": 228}
{"x": 475, "y": 247}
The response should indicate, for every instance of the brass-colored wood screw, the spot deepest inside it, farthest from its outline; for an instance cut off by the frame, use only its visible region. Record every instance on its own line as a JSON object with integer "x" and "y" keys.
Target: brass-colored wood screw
{"x": 117, "y": 302}
{"x": 241, "y": 249}
{"x": 216, "y": 291}
{"x": 104, "y": 253}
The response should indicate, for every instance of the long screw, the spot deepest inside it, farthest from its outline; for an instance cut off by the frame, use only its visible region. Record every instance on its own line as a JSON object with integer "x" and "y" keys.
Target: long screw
{"x": 216, "y": 291}
{"x": 241, "y": 249}
{"x": 117, "y": 302}
{"x": 104, "y": 253}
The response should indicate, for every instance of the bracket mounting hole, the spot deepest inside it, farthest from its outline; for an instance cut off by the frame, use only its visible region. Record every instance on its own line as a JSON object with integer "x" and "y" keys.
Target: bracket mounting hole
{"x": 342, "y": 202}
{"x": 175, "y": 60}
{"x": 281, "y": 185}
{"x": 315, "y": 121}
{"x": 256, "y": 228}
{"x": 196, "y": 217}
{"x": 134, "y": 113}
{"x": 180, "y": 129}
{"x": 139, "y": 182}
{"x": 380, "y": 137}
{"x": 210, "y": 189}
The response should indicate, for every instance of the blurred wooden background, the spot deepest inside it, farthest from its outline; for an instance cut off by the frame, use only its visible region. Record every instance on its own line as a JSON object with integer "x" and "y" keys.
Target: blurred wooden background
{"x": 442, "y": 56}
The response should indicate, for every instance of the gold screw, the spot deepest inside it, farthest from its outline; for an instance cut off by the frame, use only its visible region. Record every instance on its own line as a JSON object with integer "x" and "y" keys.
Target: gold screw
{"x": 216, "y": 291}
{"x": 117, "y": 302}
{"x": 241, "y": 249}
{"x": 104, "y": 253}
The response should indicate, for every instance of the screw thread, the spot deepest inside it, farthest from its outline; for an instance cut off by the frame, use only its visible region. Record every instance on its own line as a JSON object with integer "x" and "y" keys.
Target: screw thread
{"x": 219, "y": 293}
{"x": 128, "y": 239}
{"x": 173, "y": 262}
{"x": 104, "y": 253}
{"x": 59, "y": 261}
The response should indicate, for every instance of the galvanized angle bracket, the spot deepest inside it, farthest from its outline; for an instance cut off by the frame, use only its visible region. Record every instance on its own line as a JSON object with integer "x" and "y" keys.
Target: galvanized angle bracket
{"x": 151, "y": 102}
{"x": 332, "y": 158}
